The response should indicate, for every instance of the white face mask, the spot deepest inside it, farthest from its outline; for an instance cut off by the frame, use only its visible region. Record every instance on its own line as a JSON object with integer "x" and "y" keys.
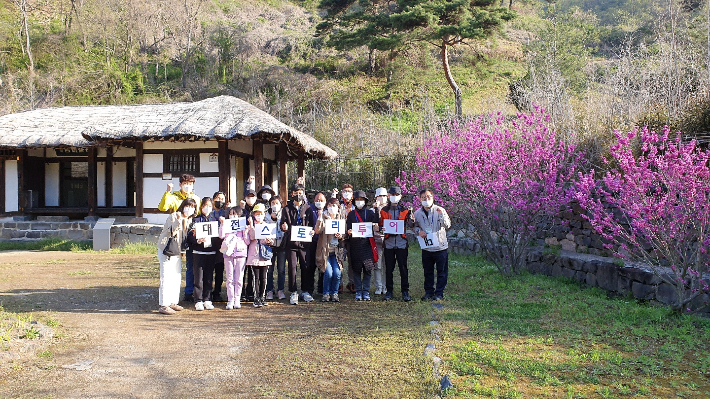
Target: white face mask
{"x": 188, "y": 211}
{"x": 250, "y": 200}
{"x": 266, "y": 196}
{"x": 347, "y": 195}
{"x": 233, "y": 216}
{"x": 276, "y": 208}
{"x": 427, "y": 203}
{"x": 206, "y": 210}
{"x": 395, "y": 198}
{"x": 359, "y": 204}
{"x": 334, "y": 210}
{"x": 259, "y": 218}
{"x": 320, "y": 205}
{"x": 187, "y": 188}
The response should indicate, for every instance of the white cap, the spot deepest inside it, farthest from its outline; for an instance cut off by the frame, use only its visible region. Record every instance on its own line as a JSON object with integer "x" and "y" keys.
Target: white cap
{"x": 380, "y": 191}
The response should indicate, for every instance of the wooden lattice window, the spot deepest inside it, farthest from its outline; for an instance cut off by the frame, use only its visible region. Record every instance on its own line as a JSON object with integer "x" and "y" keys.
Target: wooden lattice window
{"x": 180, "y": 163}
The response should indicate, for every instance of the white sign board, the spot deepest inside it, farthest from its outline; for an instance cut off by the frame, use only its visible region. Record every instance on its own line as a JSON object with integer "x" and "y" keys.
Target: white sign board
{"x": 392, "y": 226}
{"x": 333, "y": 226}
{"x": 301, "y": 233}
{"x": 431, "y": 240}
{"x": 362, "y": 230}
{"x": 264, "y": 230}
{"x": 234, "y": 225}
{"x": 206, "y": 229}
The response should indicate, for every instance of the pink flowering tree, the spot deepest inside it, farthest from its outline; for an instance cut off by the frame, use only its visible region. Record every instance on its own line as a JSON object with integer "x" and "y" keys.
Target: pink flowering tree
{"x": 653, "y": 206}
{"x": 502, "y": 178}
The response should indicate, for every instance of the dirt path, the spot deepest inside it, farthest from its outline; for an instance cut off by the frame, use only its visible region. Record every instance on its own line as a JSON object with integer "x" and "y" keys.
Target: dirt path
{"x": 113, "y": 343}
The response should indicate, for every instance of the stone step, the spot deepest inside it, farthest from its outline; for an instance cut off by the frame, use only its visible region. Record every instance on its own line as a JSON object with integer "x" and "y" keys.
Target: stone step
{"x": 128, "y": 220}
{"x": 52, "y": 218}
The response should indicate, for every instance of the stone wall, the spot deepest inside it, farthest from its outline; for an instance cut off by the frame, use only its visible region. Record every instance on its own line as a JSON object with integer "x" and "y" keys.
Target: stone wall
{"x": 46, "y": 227}
{"x": 134, "y": 233}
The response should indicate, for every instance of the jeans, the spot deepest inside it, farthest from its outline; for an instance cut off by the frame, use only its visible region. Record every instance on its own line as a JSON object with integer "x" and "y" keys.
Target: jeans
{"x": 332, "y": 275}
{"x": 189, "y": 277}
{"x": 279, "y": 260}
{"x": 398, "y": 256}
{"x": 362, "y": 278}
{"x": 435, "y": 261}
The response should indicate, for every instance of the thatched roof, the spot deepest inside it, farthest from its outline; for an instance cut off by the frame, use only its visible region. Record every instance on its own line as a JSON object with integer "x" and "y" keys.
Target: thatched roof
{"x": 222, "y": 117}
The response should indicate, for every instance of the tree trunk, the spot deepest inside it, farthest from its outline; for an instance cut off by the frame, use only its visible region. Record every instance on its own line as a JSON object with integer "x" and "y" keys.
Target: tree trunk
{"x": 450, "y": 79}
{"x": 371, "y": 61}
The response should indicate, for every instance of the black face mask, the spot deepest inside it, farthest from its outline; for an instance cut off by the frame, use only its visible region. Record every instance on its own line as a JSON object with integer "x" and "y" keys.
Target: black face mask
{"x": 297, "y": 198}
{"x": 218, "y": 204}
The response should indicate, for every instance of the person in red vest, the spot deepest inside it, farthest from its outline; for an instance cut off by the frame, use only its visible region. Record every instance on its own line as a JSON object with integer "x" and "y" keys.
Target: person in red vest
{"x": 396, "y": 246}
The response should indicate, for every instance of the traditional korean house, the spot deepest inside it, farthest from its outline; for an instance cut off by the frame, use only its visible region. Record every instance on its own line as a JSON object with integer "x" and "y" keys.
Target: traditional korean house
{"x": 117, "y": 160}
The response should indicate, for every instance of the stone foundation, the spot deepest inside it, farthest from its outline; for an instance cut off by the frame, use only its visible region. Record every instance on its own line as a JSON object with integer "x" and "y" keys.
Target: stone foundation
{"x": 47, "y": 227}
{"x": 122, "y": 234}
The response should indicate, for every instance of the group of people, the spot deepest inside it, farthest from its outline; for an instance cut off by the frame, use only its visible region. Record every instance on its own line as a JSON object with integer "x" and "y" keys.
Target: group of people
{"x": 247, "y": 262}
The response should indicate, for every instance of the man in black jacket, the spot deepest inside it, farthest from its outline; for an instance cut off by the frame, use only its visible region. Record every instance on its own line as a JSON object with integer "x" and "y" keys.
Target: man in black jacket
{"x": 296, "y": 213}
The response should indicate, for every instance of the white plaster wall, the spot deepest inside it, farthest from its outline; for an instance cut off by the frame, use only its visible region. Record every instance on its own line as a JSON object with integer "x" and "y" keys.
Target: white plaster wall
{"x": 205, "y": 165}
{"x": 119, "y": 183}
{"x": 270, "y": 152}
{"x": 166, "y": 145}
{"x": 244, "y": 146}
{"x": 35, "y": 152}
{"x": 51, "y": 184}
{"x": 101, "y": 184}
{"x": 156, "y": 218}
{"x": 124, "y": 152}
{"x": 275, "y": 183}
{"x": 152, "y": 163}
{"x": 11, "y": 185}
{"x": 154, "y": 188}
{"x": 233, "y": 180}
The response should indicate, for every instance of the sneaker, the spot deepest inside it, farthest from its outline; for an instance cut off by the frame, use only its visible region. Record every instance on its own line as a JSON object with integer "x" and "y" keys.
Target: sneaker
{"x": 217, "y": 297}
{"x": 281, "y": 294}
{"x": 257, "y": 303}
{"x": 366, "y": 296}
{"x": 326, "y": 298}
{"x": 270, "y": 295}
{"x": 358, "y": 297}
{"x": 208, "y": 305}
{"x": 427, "y": 297}
{"x": 237, "y": 304}
{"x": 199, "y": 306}
{"x": 294, "y": 298}
{"x": 438, "y": 297}
{"x": 230, "y": 305}
{"x": 335, "y": 298}
{"x": 188, "y": 298}
{"x": 388, "y": 296}
{"x": 307, "y": 297}
{"x": 176, "y": 307}
{"x": 378, "y": 291}
{"x": 263, "y": 301}
{"x": 166, "y": 310}
{"x": 406, "y": 297}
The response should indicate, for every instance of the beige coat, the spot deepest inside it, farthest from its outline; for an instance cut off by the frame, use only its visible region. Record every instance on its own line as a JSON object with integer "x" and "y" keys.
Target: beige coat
{"x": 322, "y": 245}
{"x": 179, "y": 225}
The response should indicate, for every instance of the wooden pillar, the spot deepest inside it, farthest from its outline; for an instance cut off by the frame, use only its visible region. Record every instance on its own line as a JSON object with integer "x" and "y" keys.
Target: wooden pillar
{"x": 109, "y": 177}
{"x": 283, "y": 171}
{"x": 92, "y": 181}
{"x": 223, "y": 159}
{"x": 21, "y": 154}
{"x": 2, "y": 185}
{"x": 258, "y": 164}
{"x": 139, "y": 179}
{"x": 301, "y": 165}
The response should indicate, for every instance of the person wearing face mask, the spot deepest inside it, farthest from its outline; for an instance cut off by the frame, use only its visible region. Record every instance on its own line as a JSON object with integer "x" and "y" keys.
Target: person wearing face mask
{"x": 346, "y": 206}
{"x": 171, "y": 266}
{"x": 259, "y": 256}
{"x": 431, "y": 218}
{"x": 396, "y": 247}
{"x": 249, "y": 185}
{"x": 203, "y": 254}
{"x": 362, "y": 257}
{"x": 249, "y": 203}
{"x": 380, "y": 202}
{"x": 329, "y": 252}
{"x": 296, "y": 213}
{"x": 219, "y": 211}
{"x": 169, "y": 203}
{"x": 234, "y": 250}
{"x": 307, "y": 280}
{"x": 278, "y": 261}
{"x": 264, "y": 195}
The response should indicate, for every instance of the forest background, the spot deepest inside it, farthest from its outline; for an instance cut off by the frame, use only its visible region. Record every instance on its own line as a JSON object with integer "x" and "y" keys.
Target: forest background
{"x": 594, "y": 65}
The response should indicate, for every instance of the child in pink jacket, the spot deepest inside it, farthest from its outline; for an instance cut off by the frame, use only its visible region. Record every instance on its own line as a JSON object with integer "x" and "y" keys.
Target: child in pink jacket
{"x": 234, "y": 249}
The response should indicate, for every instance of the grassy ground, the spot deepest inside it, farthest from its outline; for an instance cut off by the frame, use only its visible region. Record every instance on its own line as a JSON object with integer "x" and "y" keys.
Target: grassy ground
{"x": 536, "y": 336}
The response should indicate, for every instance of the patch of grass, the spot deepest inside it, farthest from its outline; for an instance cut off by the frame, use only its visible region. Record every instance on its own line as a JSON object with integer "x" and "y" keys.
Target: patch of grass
{"x": 539, "y": 336}
{"x": 135, "y": 249}
{"x": 48, "y": 244}
{"x": 552, "y": 250}
{"x": 79, "y": 273}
